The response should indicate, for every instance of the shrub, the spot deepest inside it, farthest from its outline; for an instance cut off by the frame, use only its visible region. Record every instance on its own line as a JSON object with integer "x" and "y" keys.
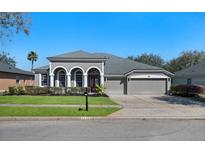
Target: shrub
{"x": 43, "y": 90}
{"x": 16, "y": 90}
{"x": 20, "y": 90}
{"x": 31, "y": 90}
{"x": 187, "y": 90}
{"x": 57, "y": 91}
{"x": 100, "y": 89}
{"x": 12, "y": 90}
{"x": 78, "y": 90}
{"x": 34, "y": 90}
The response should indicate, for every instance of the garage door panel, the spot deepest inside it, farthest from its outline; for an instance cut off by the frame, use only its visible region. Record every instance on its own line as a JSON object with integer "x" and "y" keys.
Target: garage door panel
{"x": 143, "y": 86}
{"x": 114, "y": 86}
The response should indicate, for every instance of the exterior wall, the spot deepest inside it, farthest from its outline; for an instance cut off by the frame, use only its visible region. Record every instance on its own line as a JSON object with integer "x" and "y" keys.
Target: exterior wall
{"x": 69, "y": 65}
{"x": 9, "y": 79}
{"x": 183, "y": 80}
{"x": 179, "y": 81}
{"x": 148, "y": 75}
{"x": 198, "y": 80}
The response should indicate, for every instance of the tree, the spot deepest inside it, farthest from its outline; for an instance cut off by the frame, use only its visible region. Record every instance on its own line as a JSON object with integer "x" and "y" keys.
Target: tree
{"x": 6, "y": 59}
{"x": 13, "y": 22}
{"x": 32, "y": 56}
{"x": 186, "y": 59}
{"x": 150, "y": 59}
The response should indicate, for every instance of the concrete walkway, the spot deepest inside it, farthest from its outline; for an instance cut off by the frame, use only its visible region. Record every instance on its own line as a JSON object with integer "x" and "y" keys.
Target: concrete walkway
{"x": 158, "y": 107}
{"x": 59, "y": 105}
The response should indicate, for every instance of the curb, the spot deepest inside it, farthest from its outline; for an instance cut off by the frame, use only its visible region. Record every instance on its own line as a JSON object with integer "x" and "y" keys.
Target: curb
{"x": 96, "y": 118}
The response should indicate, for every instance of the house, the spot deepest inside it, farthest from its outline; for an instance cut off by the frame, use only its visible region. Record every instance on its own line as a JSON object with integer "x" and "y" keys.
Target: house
{"x": 191, "y": 75}
{"x": 12, "y": 76}
{"x": 118, "y": 75}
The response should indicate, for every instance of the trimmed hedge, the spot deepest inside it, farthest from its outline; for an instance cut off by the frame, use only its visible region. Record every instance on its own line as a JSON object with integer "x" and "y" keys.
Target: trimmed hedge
{"x": 16, "y": 90}
{"x": 34, "y": 90}
{"x": 187, "y": 90}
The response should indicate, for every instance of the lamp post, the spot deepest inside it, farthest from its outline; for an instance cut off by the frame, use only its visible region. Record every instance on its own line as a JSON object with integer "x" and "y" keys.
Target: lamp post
{"x": 86, "y": 99}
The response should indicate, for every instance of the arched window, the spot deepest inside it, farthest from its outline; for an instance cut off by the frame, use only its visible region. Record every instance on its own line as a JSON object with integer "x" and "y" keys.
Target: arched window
{"x": 61, "y": 79}
{"x": 79, "y": 78}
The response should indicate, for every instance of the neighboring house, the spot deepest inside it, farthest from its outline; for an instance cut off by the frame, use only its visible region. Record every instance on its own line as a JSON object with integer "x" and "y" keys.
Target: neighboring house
{"x": 12, "y": 76}
{"x": 118, "y": 75}
{"x": 191, "y": 75}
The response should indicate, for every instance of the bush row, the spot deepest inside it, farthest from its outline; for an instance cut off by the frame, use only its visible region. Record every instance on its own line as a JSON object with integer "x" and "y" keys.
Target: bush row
{"x": 34, "y": 90}
{"x": 16, "y": 90}
{"x": 187, "y": 90}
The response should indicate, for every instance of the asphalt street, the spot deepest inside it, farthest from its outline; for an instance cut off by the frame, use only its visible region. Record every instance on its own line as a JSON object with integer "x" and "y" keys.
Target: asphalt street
{"x": 100, "y": 130}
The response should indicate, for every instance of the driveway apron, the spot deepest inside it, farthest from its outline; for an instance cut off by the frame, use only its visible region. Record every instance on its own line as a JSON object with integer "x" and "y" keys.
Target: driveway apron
{"x": 157, "y": 106}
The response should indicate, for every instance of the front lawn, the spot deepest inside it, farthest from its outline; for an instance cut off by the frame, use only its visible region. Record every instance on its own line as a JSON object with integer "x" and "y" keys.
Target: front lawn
{"x": 54, "y": 111}
{"x": 55, "y": 100}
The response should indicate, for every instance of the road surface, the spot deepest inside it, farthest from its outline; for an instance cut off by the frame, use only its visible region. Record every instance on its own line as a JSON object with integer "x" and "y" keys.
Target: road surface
{"x": 118, "y": 129}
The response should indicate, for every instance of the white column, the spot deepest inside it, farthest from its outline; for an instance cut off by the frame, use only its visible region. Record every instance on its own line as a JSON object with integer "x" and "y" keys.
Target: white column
{"x": 57, "y": 79}
{"x": 39, "y": 80}
{"x": 85, "y": 81}
{"x": 51, "y": 80}
{"x": 168, "y": 83}
{"x": 68, "y": 80}
{"x": 102, "y": 79}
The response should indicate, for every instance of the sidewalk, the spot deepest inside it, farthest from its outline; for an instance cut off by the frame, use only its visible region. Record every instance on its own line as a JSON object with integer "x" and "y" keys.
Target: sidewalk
{"x": 59, "y": 105}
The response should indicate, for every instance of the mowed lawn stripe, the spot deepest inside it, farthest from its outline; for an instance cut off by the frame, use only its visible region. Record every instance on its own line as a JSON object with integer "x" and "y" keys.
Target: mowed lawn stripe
{"x": 55, "y": 111}
{"x": 55, "y": 100}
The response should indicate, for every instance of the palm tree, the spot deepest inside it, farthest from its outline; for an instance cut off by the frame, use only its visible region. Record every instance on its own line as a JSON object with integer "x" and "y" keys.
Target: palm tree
{"x": 32, "y": 56}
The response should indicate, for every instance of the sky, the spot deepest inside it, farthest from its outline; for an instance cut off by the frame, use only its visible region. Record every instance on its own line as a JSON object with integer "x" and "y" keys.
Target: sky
{"x": 122, "y": 34}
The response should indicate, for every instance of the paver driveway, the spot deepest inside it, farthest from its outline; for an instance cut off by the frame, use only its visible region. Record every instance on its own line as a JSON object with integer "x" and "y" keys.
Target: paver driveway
{"x": 157, "y": 106}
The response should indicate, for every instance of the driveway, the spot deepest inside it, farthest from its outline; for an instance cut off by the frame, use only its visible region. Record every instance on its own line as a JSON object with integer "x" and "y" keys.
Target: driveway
{"x": 157, "y": 106}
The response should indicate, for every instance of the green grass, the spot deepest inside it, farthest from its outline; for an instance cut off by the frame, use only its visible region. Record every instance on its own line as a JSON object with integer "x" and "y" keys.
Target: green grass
{"x": 55, "y": 100}
{"x": 54, "y": 111}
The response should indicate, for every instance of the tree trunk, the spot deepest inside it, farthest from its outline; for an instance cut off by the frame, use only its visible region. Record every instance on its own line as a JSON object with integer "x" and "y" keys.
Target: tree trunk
{"x": 31, "y": 65}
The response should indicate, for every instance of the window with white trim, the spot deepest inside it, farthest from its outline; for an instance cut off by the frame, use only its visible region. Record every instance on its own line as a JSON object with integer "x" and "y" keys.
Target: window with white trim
{"x": 61, "y": 79}
{"x": 44, "y": 78}
{"x": 79, "y": 78}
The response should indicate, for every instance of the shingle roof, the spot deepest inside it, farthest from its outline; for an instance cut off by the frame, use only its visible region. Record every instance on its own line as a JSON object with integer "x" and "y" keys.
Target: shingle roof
{"x": 79, "y": 54}
{"x": 11, "y": 69}
{"x": 195, "y": 70}
{"x": 118, "y": 65}
{"x": 113, "y": 64}
{"x": 42, "y": 67}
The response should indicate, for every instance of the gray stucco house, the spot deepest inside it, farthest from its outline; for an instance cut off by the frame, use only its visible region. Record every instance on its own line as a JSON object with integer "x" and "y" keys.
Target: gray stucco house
{"x": 191, "y": 75}
{"x": 118, "y": 75}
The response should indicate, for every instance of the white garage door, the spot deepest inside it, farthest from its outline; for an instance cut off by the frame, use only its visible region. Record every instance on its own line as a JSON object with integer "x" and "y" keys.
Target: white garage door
{"x": 146, "y": 86}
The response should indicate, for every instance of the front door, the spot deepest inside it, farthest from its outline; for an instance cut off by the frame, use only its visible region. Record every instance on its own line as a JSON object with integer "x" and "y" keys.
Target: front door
{"x": 93, "y": 80}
